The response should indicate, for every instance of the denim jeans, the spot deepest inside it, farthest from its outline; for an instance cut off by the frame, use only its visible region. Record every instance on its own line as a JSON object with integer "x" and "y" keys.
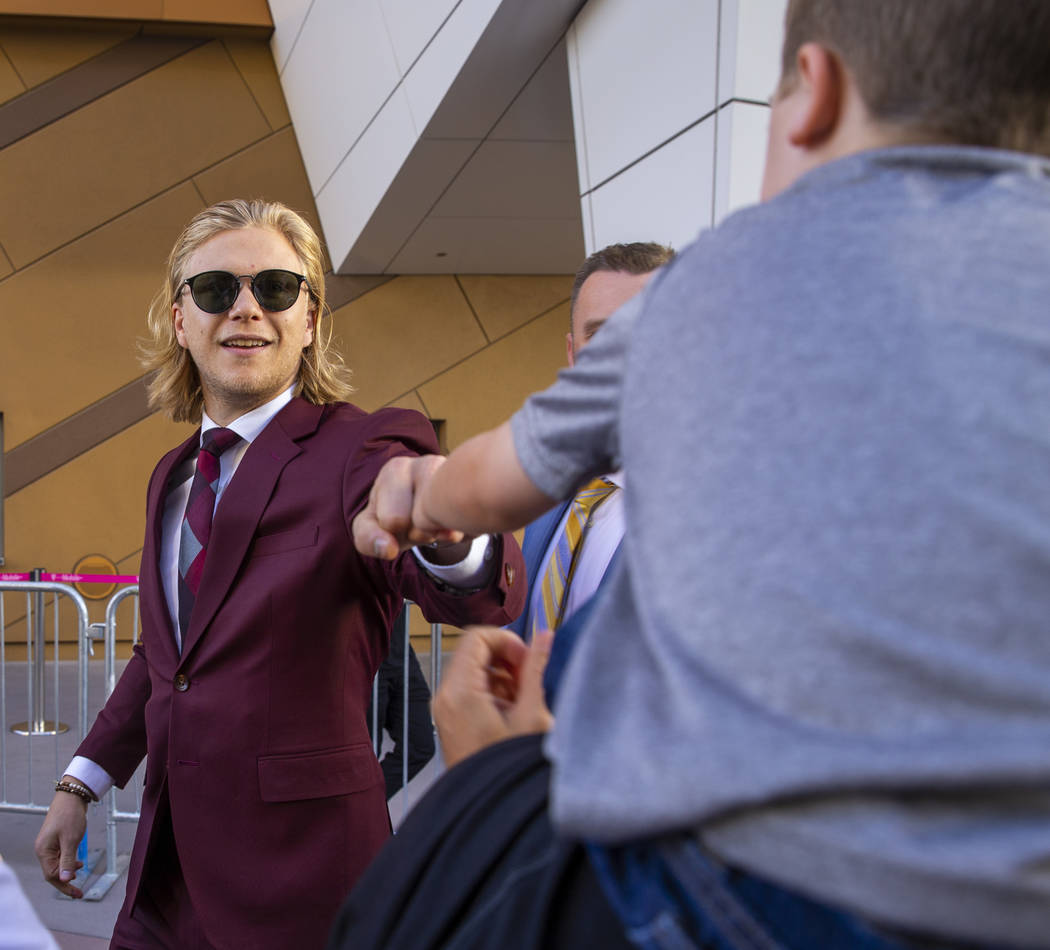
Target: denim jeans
{"x": 671, "y": 895}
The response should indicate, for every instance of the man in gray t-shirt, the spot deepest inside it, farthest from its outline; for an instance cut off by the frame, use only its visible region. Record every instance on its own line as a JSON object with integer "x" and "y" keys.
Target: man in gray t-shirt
{"x": 825, "y": 648}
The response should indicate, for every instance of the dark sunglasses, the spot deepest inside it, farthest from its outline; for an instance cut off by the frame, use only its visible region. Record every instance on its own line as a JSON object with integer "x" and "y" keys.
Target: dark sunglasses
{"x": 214, "y": 291}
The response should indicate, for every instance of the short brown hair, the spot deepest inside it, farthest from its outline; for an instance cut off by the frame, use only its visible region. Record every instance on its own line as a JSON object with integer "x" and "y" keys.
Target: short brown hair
{"x": 970, "y": 72}
{"x": 641, "y": 257}
{"x": 176, "y": 387}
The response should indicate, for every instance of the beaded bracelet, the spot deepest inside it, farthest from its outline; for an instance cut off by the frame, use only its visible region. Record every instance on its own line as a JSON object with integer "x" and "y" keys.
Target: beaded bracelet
{"x": 75, "y": 788}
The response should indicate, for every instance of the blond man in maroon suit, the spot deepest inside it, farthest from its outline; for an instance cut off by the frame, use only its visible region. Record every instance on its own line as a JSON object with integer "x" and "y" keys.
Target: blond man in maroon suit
{"x": 263, "y": 801}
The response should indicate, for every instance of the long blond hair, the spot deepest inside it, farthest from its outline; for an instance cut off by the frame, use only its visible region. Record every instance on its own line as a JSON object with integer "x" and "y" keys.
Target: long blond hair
{"x": 176, "y": 387}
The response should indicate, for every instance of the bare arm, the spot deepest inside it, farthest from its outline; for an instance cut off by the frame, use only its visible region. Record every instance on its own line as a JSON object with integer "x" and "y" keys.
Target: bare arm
{"x": 480, "y": 488}
{"x": 56, "y": 844}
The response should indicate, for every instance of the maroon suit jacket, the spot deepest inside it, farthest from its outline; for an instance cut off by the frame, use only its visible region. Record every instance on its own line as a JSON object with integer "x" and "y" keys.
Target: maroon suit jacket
{"x": 256, "y": 732}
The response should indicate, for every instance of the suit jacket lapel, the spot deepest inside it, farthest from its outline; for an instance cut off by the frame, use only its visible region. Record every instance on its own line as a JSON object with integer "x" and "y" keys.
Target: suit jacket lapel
{"x": 546, "y": 535}
{"x": 155, "y": 614}
{"x": 538, "y": 538}
{"x": 241, "y": 506}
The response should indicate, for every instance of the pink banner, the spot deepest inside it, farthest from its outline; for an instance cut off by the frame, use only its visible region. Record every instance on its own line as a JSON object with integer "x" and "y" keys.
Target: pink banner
{"x": 76, "y": 578}
{"x": 91, "y": 578}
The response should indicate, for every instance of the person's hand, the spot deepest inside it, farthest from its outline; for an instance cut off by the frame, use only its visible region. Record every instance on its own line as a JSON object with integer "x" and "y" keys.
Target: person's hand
{"x": 493, "y": 691}
{"x": 56, "y": 844}
{"x": 393, "y": 520}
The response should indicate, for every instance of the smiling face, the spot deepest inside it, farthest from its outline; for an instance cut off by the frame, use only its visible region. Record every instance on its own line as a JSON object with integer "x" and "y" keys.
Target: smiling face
{"x": 246, "y": 355}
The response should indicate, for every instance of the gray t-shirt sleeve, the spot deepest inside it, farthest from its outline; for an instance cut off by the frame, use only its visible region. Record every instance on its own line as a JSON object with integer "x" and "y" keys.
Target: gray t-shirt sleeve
{"x": 570, "y": 431}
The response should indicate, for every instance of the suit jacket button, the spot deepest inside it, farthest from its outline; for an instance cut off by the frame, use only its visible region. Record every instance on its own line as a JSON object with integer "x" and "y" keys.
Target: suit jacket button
{"x": 182, "y": 683}
{"x": 508, "y": 573}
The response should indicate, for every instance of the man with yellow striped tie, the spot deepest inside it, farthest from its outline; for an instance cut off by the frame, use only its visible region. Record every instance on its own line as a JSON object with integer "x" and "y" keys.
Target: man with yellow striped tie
{"x": 568, "y": 550}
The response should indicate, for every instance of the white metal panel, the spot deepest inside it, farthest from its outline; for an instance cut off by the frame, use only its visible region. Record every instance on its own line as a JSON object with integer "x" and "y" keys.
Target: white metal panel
{"x": 542, "y": 185}
{"x": 492, "y": 246}
{"x": 646, "y": 71}
{"x": 354, "y": 191}
{"x": 288, "y": 17}
{"x": 572, "y": 55}
{"x": 433, "y": 73}
{"x": 587, "y": 213}
{"x": 667, "y": 197}
{"x": 337, "y": 78}
{"x": 749, "y": 57}
{"x": 542, "y": 111}
{"x": 432, "y": 164}
{"x": 412, "y": 24}
{"x": 742, "y": 132}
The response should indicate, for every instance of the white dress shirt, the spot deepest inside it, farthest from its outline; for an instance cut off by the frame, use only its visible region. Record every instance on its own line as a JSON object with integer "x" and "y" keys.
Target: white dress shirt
{"x": 472, "y": 571}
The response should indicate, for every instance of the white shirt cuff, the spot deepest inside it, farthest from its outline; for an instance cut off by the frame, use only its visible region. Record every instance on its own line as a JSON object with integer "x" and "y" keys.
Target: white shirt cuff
{"x": 91, "y": 774}
{"x": 473, "y": 571}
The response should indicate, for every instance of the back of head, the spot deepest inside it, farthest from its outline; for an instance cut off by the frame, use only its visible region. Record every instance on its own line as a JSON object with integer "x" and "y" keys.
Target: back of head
{"x": 970, "y": 72}
{"x": 639, "y": 257}
{"x": 175, "y": 387}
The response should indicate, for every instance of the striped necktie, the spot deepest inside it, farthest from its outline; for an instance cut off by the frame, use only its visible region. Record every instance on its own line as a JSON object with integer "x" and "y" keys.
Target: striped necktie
{"x": 196, "y": 522}
{"x": 548, "y": 600}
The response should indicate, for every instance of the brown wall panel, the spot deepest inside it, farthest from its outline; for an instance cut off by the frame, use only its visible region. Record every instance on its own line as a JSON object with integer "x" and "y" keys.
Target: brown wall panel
{"x": 505, "y": 303}
{"x": 409, "y": 400}
{"x": 70, "y": 323}
{"x": 93, "y": 425}
{"x": 272, "y": 168}
{"x": 95, "y": 504}
{"x": 101, "y": 9}
{"x": 92, "y": 202}
{"x": 343, "y": 288}
{"x": 40, "y": 55}
{"x": 255, "y": 62}
{"x": 77, "y": 87}
{"x": 10, "y": 83}
{"x": 238, "y": 12}
{"x": 488, "y": 388}
{"x": 403, "y": 332}
{"x": 245, "y": 12}
{"x": 122, "y": 149}
{"x": 132, "y": 564}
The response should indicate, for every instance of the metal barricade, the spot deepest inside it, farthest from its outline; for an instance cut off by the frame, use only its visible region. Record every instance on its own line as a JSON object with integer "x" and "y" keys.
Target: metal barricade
{"x": 37, "y": 728}
{"x": 116, "y": 863}
{"x": 402, "y": 631}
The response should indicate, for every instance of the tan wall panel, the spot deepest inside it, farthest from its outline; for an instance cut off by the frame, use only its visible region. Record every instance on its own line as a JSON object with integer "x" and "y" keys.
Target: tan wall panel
{"x": 132, "y": 564}
{"x": 122, "y": 149}
{"x": 10, "y": 84}
{"x": 241, "y": 12}
{"x": 255, "y": 61}
{"x": 488, "y": 388}
{"x": 129, "y": 9}
{"x": 504, "y": 303}
{"x": 409, "y": 401}
{"x": 5, "y": 265}
{"x": 39, "y": 55}
{"x": 95, "y": 504}
{"x": 403, "y": 332}
{"x": 271, "y": 169}
{"x": 70, "y": 323}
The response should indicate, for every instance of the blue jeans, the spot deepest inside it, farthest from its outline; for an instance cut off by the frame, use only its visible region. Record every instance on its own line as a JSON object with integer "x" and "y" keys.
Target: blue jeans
{"x": 671, "y": 895}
